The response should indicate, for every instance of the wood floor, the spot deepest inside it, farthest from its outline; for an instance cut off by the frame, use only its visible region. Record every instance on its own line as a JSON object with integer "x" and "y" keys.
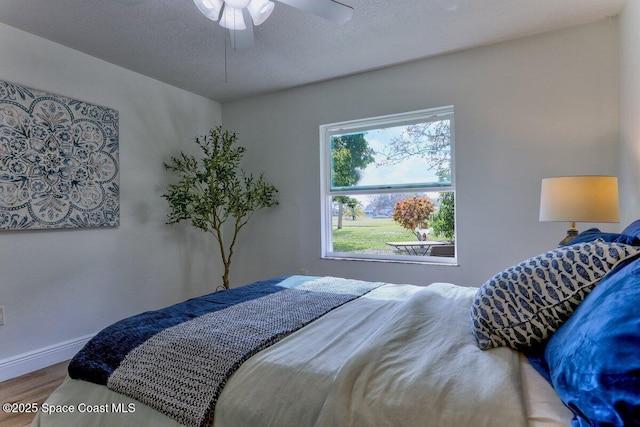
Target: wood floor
{"x": 33, "y": 387}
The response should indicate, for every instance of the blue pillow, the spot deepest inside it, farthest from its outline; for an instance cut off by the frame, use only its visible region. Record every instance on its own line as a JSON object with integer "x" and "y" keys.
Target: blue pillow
{"x": 633, "y": 229}
{"x": 593, "y": 359}
{"x": 594, "y": 234}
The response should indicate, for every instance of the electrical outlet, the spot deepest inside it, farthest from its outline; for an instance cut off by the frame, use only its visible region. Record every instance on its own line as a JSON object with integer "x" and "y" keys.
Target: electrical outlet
{"x": 1, "y": 315}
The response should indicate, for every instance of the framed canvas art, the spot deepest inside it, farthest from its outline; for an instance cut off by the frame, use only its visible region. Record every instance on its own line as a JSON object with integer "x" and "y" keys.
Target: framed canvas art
{"x": 58, "y": 161}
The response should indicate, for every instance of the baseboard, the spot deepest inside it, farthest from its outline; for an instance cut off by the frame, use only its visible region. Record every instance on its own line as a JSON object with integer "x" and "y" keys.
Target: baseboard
{"x": 32, "y": 361}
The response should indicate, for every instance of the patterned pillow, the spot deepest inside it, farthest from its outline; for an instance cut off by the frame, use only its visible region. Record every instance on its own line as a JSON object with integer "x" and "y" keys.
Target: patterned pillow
{"x": 526, "y": 303}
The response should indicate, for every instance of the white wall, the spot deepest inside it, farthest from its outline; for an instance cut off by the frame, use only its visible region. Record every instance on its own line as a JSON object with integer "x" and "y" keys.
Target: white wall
{"x": 59, "y": 286}
{"x": 536, "y": 107}
{"x": 630, "y": 111}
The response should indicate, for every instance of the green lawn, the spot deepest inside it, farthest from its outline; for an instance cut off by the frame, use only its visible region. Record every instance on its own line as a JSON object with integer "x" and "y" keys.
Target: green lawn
{"x": 368, "y": 235}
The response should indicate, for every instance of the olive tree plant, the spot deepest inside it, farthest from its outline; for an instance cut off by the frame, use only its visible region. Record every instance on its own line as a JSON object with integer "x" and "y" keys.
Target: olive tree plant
{"x": 214, "y": 189}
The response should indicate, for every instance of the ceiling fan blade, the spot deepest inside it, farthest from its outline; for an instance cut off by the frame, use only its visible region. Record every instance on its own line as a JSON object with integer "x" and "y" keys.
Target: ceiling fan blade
{"x": 243, "y": 39}
{"x": 327, "y": 9}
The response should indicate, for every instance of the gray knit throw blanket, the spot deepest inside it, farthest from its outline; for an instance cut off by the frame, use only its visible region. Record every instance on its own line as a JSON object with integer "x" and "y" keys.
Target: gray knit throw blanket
{"x": 181, "y": 371}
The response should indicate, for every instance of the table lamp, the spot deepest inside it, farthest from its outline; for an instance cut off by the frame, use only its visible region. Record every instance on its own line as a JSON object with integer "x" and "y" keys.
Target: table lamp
{"x": 591, "y": 198}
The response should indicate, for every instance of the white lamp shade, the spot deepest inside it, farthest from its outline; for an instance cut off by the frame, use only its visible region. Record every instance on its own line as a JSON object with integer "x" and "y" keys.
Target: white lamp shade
{"x": 232, "y": 19}
{"x": 580, "y": 199}
{"x": 210, "y": 8}
{"x": 260, "y": 10}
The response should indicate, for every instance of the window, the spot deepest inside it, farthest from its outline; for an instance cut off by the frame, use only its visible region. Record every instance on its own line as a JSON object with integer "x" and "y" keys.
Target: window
{"x": 388, "y": 190}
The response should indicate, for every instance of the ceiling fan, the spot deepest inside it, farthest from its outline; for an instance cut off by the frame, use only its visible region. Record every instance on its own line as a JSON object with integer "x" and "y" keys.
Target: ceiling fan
{"x": 239, "y": 16}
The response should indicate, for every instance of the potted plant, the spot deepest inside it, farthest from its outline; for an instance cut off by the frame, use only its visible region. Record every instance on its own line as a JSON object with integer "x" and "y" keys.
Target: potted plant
{"x": 214, "y": 189}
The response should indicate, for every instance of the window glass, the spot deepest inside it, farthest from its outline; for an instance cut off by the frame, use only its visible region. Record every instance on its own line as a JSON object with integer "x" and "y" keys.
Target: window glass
{"x": 411, "y": 156}
{"x": 388, "y": 188}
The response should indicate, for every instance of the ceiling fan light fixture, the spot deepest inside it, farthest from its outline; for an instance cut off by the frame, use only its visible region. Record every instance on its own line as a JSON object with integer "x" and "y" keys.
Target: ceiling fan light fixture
{"x": 232, "y": 19}
{"x": 237, "y": 4}
{"x": 240, "y": 16}
{"x": 210, "y": 8}
{"x": 260, "y": 10}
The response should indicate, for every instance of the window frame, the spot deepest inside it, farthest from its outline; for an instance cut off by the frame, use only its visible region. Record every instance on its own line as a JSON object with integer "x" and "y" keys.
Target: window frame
{"x": 327, "y": 193}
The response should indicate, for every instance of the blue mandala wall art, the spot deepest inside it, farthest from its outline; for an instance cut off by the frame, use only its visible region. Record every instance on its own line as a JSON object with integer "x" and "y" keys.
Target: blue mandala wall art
{"x": 58, "y": 161}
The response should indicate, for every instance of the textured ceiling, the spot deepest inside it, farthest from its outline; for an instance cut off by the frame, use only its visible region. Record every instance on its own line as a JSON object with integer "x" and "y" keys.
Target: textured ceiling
{"x": 171, "y": 41}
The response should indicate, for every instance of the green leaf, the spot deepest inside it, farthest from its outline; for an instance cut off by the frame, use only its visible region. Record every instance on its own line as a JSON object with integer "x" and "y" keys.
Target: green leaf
{"x": 214, "y": 188}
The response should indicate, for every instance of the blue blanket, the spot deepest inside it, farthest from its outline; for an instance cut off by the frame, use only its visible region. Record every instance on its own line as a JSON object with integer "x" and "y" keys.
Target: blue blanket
{"x": 178, "y": 359}
{"x": 102, "y": 355}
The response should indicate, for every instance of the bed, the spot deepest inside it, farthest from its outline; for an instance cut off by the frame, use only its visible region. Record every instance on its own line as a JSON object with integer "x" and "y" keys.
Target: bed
{"x": 521, "y": 350}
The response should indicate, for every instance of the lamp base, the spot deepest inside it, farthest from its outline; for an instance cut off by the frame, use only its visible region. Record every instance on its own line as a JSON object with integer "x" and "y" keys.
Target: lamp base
{"x": 571, "y": 234}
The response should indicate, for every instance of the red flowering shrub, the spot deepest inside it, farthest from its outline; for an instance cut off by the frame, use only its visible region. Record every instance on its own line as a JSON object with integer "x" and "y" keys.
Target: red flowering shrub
{"x": 413, "y": 213}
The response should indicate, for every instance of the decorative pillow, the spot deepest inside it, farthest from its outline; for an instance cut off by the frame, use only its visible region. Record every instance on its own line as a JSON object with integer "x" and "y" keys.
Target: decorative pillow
{"x": 523, "y": 305}
{"x": 593, "y": 359}
{"x": 632, "y": 229}
{"x": 594, "y": 234}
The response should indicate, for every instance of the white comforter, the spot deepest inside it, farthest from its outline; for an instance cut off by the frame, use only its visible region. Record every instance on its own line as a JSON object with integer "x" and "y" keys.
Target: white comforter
{"x": 400, "y": 356}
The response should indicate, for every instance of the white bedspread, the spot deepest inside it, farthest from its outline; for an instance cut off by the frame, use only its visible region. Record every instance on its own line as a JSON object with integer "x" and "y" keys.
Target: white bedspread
{"x": 400, "y": 356}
